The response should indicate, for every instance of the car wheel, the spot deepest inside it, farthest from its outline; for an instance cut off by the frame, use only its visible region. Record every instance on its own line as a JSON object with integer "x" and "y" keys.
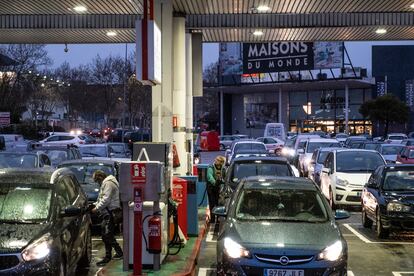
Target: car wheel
{"x": 222, "y": 147}
{"x": 331, "y": 199}
{"x": 366, "y": 222}
{"x": 86, "y": 258}
{"x": 382, "y": 233}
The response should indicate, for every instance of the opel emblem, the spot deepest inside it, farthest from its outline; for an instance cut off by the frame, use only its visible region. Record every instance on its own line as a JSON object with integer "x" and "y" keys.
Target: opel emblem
{"x": 284, "y": 260}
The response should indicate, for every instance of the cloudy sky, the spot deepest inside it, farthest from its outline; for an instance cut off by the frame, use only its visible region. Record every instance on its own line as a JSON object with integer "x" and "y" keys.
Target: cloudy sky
{"x": 360, "y": 52}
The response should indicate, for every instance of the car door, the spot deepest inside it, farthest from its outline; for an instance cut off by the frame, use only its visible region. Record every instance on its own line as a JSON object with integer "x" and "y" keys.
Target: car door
{"x": 371, "y": 193}
{"x": 312, "y": 163}
{"x": 325, "y": 176}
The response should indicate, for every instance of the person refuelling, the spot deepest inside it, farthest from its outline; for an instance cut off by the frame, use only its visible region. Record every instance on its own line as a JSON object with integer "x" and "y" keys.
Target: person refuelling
{"x": 215, "y": 176}
{"x": 109, "y": 209}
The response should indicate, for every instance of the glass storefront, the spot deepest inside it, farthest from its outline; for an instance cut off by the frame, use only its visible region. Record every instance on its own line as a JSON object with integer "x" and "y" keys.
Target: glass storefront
{"x": 325, "y": 111}
{"x": 260, "y": 109}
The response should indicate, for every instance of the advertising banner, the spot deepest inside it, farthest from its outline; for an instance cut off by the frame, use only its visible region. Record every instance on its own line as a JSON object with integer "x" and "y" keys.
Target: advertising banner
{"x": 409, "y": 93}
{"x": 230, "y": 59}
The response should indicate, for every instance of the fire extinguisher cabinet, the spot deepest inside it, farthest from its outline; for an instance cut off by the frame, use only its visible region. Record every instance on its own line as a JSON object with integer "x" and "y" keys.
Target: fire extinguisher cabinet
{"x": 179, "y": 195}
{"x": 192, "y": 206}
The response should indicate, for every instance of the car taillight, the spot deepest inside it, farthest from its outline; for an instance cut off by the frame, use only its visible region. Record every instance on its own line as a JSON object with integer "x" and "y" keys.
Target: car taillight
{"x": 81, "y": 142}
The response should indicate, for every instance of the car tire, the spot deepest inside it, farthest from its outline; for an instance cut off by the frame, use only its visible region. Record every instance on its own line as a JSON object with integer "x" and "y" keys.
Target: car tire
{"x": 366, "y": 222}
{"x": 382, "y": 233}
{"x": 331, "y": 199}
{"x": 86, "y": 258}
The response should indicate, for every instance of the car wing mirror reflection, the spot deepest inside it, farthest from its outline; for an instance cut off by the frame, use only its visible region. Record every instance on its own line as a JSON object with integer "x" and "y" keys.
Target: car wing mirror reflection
{"x": 341, "y": 214}
{"x": 220, "y": 211}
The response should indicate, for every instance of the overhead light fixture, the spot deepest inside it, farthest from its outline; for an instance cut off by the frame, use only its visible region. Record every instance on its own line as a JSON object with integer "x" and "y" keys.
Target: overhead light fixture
{"x": 111, "y": 33}
{"x": 257, "y": 33}
{"x": 412, "y": 6}
{"x": 80, "y": 8}
{"x": 381, "y": 31}
{"x": 263, "y": 8}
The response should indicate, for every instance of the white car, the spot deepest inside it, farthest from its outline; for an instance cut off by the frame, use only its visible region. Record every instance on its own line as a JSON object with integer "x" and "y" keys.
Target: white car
{"x": 65, "y": 139}
{"x": 395, "y": 138}
{"x": 12, "y": 141}
{"x": 271, "y": 143}
{"x": 345, "y": 173}
{"x": 245, "y": 148}
{"x": 305, "y": 154}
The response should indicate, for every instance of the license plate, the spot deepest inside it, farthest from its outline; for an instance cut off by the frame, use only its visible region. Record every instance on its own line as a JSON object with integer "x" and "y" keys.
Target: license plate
{"x": 283, "y": 272}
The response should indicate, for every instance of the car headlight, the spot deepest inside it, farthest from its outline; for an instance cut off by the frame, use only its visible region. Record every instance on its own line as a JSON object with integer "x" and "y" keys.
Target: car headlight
{"x": 397, "y": 207}
{"x": 37, "y": 249}
{"x": 332, "y": 252}
{"x": 288, "y": 152}
{"x": 234, "y": 250}
{"x": 341, "y": 182}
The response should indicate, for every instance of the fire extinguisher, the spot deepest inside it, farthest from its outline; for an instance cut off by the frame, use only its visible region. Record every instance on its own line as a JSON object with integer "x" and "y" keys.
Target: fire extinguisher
{"x": 154, "y": 235}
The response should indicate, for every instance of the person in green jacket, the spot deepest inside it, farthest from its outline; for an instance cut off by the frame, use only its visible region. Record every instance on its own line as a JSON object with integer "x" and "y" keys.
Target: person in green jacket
{"x": 215, "y": 176}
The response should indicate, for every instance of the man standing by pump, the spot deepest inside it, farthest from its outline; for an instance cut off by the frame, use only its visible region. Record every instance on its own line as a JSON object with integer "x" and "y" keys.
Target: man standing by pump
{"x": 215, "y": 176}
{"x": 109, "y": 210}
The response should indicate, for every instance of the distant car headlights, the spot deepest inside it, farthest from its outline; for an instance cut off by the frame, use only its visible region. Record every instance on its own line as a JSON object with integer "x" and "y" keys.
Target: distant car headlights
{"x": 288, "y": 152}
{"x": 332, "y": 253}
{"x": 397, "y": 207}
{"x": 341, "y": 182}
{"x": 37, "y": 249}
{"x": 235, "y": 250}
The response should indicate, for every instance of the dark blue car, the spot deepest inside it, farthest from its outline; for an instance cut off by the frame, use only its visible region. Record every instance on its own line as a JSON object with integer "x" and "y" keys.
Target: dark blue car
{"x": 280, "y": 226}
{"x": 388, "y": 199}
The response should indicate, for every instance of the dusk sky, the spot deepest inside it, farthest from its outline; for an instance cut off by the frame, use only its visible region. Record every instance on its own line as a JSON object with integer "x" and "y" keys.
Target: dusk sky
{"x": 360, "y": 52}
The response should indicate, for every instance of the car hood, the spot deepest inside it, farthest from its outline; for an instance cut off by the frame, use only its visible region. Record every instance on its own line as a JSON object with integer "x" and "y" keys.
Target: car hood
{"x": 359, "y": 179}
{"x": 407, "y": 197}
{"x": 290, "y": 234}
{"x": 14, "y": 237}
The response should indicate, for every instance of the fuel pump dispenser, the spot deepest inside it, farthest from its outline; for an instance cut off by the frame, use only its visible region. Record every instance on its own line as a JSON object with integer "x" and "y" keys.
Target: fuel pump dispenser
{"x": 141, "y": 188}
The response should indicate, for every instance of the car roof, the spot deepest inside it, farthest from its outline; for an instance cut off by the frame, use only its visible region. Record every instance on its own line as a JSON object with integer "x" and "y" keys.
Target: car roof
{"x": 392, "y": 145}
{"x": 269, "y": 159}
{"x": 31, "y": 176}
{"x": 88, "y": 161}
{"x": 272, "y": 182}
{"x": 323, "y": 140}
{"x": 19, "y": 152}
{"x": 93, "y": 145}
{"x": 355, "y": 150}
{"x": 329, "y": 149}
{"x": 397, "y": 134}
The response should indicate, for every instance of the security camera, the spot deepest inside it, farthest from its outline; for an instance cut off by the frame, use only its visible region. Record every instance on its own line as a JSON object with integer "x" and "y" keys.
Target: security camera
{"x": 66, "y": 48}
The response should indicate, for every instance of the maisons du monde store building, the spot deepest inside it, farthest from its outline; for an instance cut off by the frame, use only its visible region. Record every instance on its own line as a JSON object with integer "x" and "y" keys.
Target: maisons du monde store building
{"x": 311, "y": 96}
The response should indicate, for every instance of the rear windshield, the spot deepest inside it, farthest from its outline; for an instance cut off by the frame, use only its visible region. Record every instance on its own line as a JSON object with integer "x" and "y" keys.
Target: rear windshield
{"x": 396, "y": 137}
{"x": 358, "y": 161}
{"x": 249, "y": 146}
{"x": 312, "y": 146}
{"x": 259, "y": 168}
{"x": 370, "y": 146}
{"x": 399, "y": 181}
{"x": 391, "y": 150}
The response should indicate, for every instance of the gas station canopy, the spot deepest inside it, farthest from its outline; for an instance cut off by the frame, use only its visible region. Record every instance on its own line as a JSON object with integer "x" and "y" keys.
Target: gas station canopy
{"x": 113, "y": 21}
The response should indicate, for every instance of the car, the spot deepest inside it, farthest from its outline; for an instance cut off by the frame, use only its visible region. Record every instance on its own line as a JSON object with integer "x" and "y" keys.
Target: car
{"x": 390, "y": 151}
{"x": 355, "y": 142}
{"x": 371, "y": 145}
{"x": 83, "y": 171}
{"x": 280, "y": 226}
{"x": 247, "y": 146}
{"x": 58, "y": 154}
{"x": 273, "y": 145}
{"x": 119, "y": 150}
{"x": 96, "y": 132}
{"x": 345, "y": 173}
{"x": 395, "y": 138}
{"x": 298, "y": 144}
{"x": 408, "y": 142}
{"x": 11, "y": 140}
{"x": 406, "y": 156}
{"x": 387, "y": 200}
{"x": 24, "y": 160}
{"x": 66, "y": 139}
{"x": 47, "y": 233}
{"x": 116, "y": 135}
{"x": 227, "y": 140}
{"x": 305, "y": 154}
{"x": 276, "y": 130}
{"x": 101, "y": 151}
{"x": 341, "y": 137}
{"x": 131, "y": 137}
{"x": 316, "y": 163}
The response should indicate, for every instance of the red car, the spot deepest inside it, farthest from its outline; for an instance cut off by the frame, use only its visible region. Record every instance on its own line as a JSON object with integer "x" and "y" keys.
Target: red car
{"x": 406, "y": 156}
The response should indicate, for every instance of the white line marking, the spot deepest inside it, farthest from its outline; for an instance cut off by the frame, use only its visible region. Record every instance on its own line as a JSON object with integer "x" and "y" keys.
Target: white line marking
{"x": 210, "y": 234}
{"x": 95, "y": 250}
{"x": 366, "y": 240}
{"x": 96, "y": 239}
{"x": 400, "y": 273}
{"x": 202, "y": 271}
{"x": 348, "y": 235}
{"x": 350, "y": 273}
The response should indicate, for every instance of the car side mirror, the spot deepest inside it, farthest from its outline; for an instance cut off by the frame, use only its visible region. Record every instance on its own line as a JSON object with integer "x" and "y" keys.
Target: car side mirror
{"x": 228, "y": 151}
{"x": 326, "y": 170}
{"x": 341, "y": 214}
{"x": 71, "y": 211}
{"x": 220, "y": 211}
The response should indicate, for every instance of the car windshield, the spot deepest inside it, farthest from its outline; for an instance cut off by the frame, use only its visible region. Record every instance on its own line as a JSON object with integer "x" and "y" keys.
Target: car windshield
{"x": 249, "y": 146}
{"x": 399, "y": 181}
{"x": 57, "y": 156}
{"x": 242, "y": 170}
{"x": 411, "y": 154}
{"x": 24, "y": 203}
{"x": 358, "y": 161}
{"x": 290, "y": 205}
{"x": 84, "y": 172}
{"x": 391, "y": 150}
{"x": 93, "y": 151}
{"x": 18, "y": 160}
{"x": 117, "y": 148}
{"x": 322, "y": 157}
{"x": 312, "y": 146}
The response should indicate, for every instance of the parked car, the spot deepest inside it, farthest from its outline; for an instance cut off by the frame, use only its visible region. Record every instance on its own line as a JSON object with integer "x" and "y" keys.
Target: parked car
{"x": 299, "y": 144}
{"x": 406, "y": 156}
{"x": 305, "y": 154}
{"x": 119, "y": 150}
{"x": 11, "y": 140}
{"x": 25, "y": 160}
{"x": 227, "y": 140}
{"x": 66, "y": 139}
{"x": 316, "y": 164}
{"x": 47, "y": 233}
{"x": 355, "y": 142}
{"x": 245, "y": 147}
{"x": 371, "y": 145}
{"x": 279, "y": 226}
{"x": 408, "y": 142}
{"x": 345, "y": 173}
{"x": 58, "y": 154}
{"x": 276, "y": 130}
{"x": 390, "y": 151}
{"x": 387, "y": 199}
{"x": 341, "y": 137}
{"x": 83, "y": 171}
{"x": 395, "y": 138}
{"x": 96, "y": 132}
{"x": 116, "y": 135}
{"x": 273, "y": 145}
